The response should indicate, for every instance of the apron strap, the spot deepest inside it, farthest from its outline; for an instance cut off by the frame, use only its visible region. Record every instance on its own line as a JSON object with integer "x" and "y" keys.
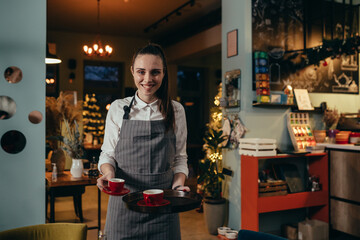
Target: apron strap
{"x": 127, "y": 109}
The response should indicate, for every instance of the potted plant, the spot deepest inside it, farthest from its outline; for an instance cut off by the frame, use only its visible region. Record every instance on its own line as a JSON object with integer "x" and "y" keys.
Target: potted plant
{"x": 330, "y": 119}
{"x": 210, "y": 179}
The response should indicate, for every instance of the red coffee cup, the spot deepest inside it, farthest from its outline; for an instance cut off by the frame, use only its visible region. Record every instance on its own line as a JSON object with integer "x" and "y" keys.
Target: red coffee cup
{"x": 153, "y": 196}
{"x": 116, "y": 184}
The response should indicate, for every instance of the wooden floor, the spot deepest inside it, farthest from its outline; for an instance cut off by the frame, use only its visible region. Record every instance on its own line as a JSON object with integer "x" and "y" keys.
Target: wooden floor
{"x": 191, "y": 222}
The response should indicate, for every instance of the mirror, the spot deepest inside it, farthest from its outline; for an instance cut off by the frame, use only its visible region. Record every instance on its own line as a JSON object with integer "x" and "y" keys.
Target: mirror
{"x": 13, "y": 142}
{"x": 13, "y": 74}
{"x": 7, "y": 107}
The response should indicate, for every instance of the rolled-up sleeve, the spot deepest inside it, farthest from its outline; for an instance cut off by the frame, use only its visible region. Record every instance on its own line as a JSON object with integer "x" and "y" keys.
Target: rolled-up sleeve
{"x": 180, "y": 161}
{"x": 111, "y": 135}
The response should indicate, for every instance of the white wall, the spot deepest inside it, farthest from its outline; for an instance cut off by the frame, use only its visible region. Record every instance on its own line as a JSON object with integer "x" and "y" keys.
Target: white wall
{"x": 261, "y": 122}
{"x": 22, "y": 175}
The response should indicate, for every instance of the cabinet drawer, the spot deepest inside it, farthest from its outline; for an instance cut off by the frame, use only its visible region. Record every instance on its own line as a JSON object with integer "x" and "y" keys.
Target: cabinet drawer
{"x": 345, "y": 175}
{"x": 345, "y": 217}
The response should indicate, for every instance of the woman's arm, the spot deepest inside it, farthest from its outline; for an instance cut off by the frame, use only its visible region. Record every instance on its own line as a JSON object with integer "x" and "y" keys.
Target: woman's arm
{"x": 180, "y": 167}
{"x": 107, "y": 156}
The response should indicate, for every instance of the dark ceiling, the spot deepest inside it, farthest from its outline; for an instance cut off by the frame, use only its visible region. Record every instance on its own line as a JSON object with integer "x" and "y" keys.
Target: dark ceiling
{"x": 157, "y": 20}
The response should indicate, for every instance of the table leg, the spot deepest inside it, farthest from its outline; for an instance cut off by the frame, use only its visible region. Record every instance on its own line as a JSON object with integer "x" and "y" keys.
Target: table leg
{"x": 99, "y": 210}
{"x": 52, "y": 206}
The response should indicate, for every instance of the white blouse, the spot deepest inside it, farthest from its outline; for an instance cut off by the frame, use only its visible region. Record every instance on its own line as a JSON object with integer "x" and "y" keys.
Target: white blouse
{"x": 143, "y": 111}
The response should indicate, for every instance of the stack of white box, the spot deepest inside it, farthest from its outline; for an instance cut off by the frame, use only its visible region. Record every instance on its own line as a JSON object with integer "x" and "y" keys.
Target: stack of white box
{"x": 257, "y": 147}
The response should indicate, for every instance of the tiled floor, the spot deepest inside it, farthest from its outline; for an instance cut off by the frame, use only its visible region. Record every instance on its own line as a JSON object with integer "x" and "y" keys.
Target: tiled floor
{"x": 192, "y": 222}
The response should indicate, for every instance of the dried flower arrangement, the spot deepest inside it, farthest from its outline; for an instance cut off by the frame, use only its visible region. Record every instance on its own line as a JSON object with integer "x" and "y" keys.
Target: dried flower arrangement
{"x": 58, "y": 109}
{"x": 330, "y": 118}
{"x": 73, "y": 142}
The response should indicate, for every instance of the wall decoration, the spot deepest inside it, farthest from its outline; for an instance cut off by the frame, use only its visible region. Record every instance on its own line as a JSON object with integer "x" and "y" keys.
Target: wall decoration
{"x": 302, "y": 52}
{"x": 232, "y": 89}
{"x": 232, "y": 48}
{"x": 303, "y": 99}
{"x": 233, "y": 129}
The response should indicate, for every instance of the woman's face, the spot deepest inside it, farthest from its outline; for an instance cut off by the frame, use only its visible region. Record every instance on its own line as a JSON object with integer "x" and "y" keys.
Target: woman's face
{"x": 148, "y": 73}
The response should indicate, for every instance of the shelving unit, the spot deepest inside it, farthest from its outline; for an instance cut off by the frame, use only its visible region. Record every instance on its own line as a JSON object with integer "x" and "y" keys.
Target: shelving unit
{"x": 252, "y": 205}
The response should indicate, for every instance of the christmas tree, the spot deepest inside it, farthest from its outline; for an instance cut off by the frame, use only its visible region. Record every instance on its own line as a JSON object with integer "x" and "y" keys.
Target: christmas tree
{"x": 92, "y": 119}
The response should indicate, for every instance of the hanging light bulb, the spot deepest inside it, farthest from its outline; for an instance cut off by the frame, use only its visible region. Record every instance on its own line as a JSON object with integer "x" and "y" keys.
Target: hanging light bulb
{"x": 97, "y": 49}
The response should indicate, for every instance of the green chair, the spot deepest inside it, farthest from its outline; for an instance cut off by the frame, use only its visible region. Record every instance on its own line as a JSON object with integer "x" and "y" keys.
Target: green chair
{"x": 49, "y": 231}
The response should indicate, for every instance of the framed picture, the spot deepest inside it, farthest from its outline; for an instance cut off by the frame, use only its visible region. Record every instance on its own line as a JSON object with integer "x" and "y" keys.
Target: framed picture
{"x": 232, "y": 48}
{"x": 232, "y": 88}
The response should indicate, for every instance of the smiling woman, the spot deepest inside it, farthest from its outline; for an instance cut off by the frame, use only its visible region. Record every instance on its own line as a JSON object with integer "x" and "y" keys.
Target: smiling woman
{"x": 156, "y": 159}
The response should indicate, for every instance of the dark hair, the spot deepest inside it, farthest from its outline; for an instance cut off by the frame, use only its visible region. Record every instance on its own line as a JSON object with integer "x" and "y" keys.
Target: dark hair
{"x": 164, "y": 101}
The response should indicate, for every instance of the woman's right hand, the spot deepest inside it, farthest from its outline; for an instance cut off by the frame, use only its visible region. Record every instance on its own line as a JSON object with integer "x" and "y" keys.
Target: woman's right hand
{"x": 108, "y": 173}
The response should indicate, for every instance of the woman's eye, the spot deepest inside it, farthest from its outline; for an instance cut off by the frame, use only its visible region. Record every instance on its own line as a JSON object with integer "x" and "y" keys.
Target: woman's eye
{"x": 155, "y": 72}
{"x": 141, "y": 72}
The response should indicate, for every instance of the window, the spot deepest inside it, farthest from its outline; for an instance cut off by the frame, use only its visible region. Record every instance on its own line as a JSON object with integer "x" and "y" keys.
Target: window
{"x": 103, "y": 77}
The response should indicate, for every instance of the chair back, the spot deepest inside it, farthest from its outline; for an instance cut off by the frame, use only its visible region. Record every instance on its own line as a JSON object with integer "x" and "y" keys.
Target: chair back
{"x": 53, "y": 231}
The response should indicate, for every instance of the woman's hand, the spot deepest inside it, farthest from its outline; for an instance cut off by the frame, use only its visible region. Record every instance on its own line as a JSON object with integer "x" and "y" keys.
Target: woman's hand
{"x": 182, "y": 188}
{"x": 178, "y": 183}
{"x": 108, "y": 173}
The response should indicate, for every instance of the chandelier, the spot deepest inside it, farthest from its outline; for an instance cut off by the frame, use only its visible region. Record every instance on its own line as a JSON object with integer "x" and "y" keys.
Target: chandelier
{"x": 97, "y": 48}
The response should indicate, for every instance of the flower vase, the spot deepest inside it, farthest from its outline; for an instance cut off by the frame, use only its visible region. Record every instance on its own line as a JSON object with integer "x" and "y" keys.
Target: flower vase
{"x": 77, "y": 168}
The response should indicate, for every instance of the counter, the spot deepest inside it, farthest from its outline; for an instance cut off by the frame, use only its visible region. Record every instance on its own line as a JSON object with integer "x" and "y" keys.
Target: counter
{"x": 344, "y": 191}
{"x": 329, "y": 146}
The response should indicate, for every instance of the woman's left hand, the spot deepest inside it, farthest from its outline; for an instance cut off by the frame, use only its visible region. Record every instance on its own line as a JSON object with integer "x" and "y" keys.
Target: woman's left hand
{"x": 183, "y": 188}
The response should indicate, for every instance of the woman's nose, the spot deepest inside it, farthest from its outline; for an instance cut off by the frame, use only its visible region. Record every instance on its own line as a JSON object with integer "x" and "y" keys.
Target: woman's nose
{"x": 147, "y": 77}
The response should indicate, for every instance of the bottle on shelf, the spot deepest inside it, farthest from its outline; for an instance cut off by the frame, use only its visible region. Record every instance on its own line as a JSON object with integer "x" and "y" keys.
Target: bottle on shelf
{"x": 93, "y": 171}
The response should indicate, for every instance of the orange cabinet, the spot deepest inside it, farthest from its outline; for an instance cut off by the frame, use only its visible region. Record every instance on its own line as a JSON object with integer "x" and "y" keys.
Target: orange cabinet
{"x": 252, "y": 205}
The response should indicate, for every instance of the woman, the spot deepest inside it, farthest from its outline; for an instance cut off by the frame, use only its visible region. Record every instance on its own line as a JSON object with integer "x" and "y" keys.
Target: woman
{"x": 145, "y": 144}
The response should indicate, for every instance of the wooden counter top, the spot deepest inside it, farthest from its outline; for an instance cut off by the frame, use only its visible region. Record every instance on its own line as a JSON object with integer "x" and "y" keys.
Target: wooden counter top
{"x": 66, "y": 179}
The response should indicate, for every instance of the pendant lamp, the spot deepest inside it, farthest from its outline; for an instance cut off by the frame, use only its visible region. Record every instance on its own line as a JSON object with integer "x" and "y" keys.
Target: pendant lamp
{"x": 51, "y": 58}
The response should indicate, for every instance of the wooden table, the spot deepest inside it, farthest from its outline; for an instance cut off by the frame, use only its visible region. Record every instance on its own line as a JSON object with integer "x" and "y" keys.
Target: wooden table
{"x": 65, "y": 180}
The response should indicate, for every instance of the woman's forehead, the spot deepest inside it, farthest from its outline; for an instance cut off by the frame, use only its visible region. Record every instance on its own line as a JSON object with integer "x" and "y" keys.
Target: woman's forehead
{"x": 148, "y": 60}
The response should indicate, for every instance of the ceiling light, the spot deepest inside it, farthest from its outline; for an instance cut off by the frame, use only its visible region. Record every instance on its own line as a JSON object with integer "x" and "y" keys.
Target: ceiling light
{"x": 51, "y": 58}
{"x": 97, "y": 48}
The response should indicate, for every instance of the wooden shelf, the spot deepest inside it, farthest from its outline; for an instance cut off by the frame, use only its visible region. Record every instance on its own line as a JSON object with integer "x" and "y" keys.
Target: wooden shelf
{"x": 252, "y": 205}
{"x": 272, "y": 105}
{"x": 292, "y": 106}
{"x": 316, "y": 110}
{"x": 292, "y": 201}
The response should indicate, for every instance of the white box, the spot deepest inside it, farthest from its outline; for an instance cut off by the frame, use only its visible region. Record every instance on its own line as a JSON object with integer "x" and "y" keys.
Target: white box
{"x": 257, "y": 147}
{"x": 313, "y": 230}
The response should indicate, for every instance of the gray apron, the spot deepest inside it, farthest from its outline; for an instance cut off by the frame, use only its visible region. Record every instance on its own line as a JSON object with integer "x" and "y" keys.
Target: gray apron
{"x": 144, "y": 155}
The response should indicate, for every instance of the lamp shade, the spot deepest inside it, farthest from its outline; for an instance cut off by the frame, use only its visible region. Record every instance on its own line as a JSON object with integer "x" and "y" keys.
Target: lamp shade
{"x": 51, "y": 58}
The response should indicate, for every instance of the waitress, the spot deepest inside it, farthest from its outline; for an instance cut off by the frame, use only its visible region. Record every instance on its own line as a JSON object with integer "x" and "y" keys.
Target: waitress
{"x": 145, "y": 144}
